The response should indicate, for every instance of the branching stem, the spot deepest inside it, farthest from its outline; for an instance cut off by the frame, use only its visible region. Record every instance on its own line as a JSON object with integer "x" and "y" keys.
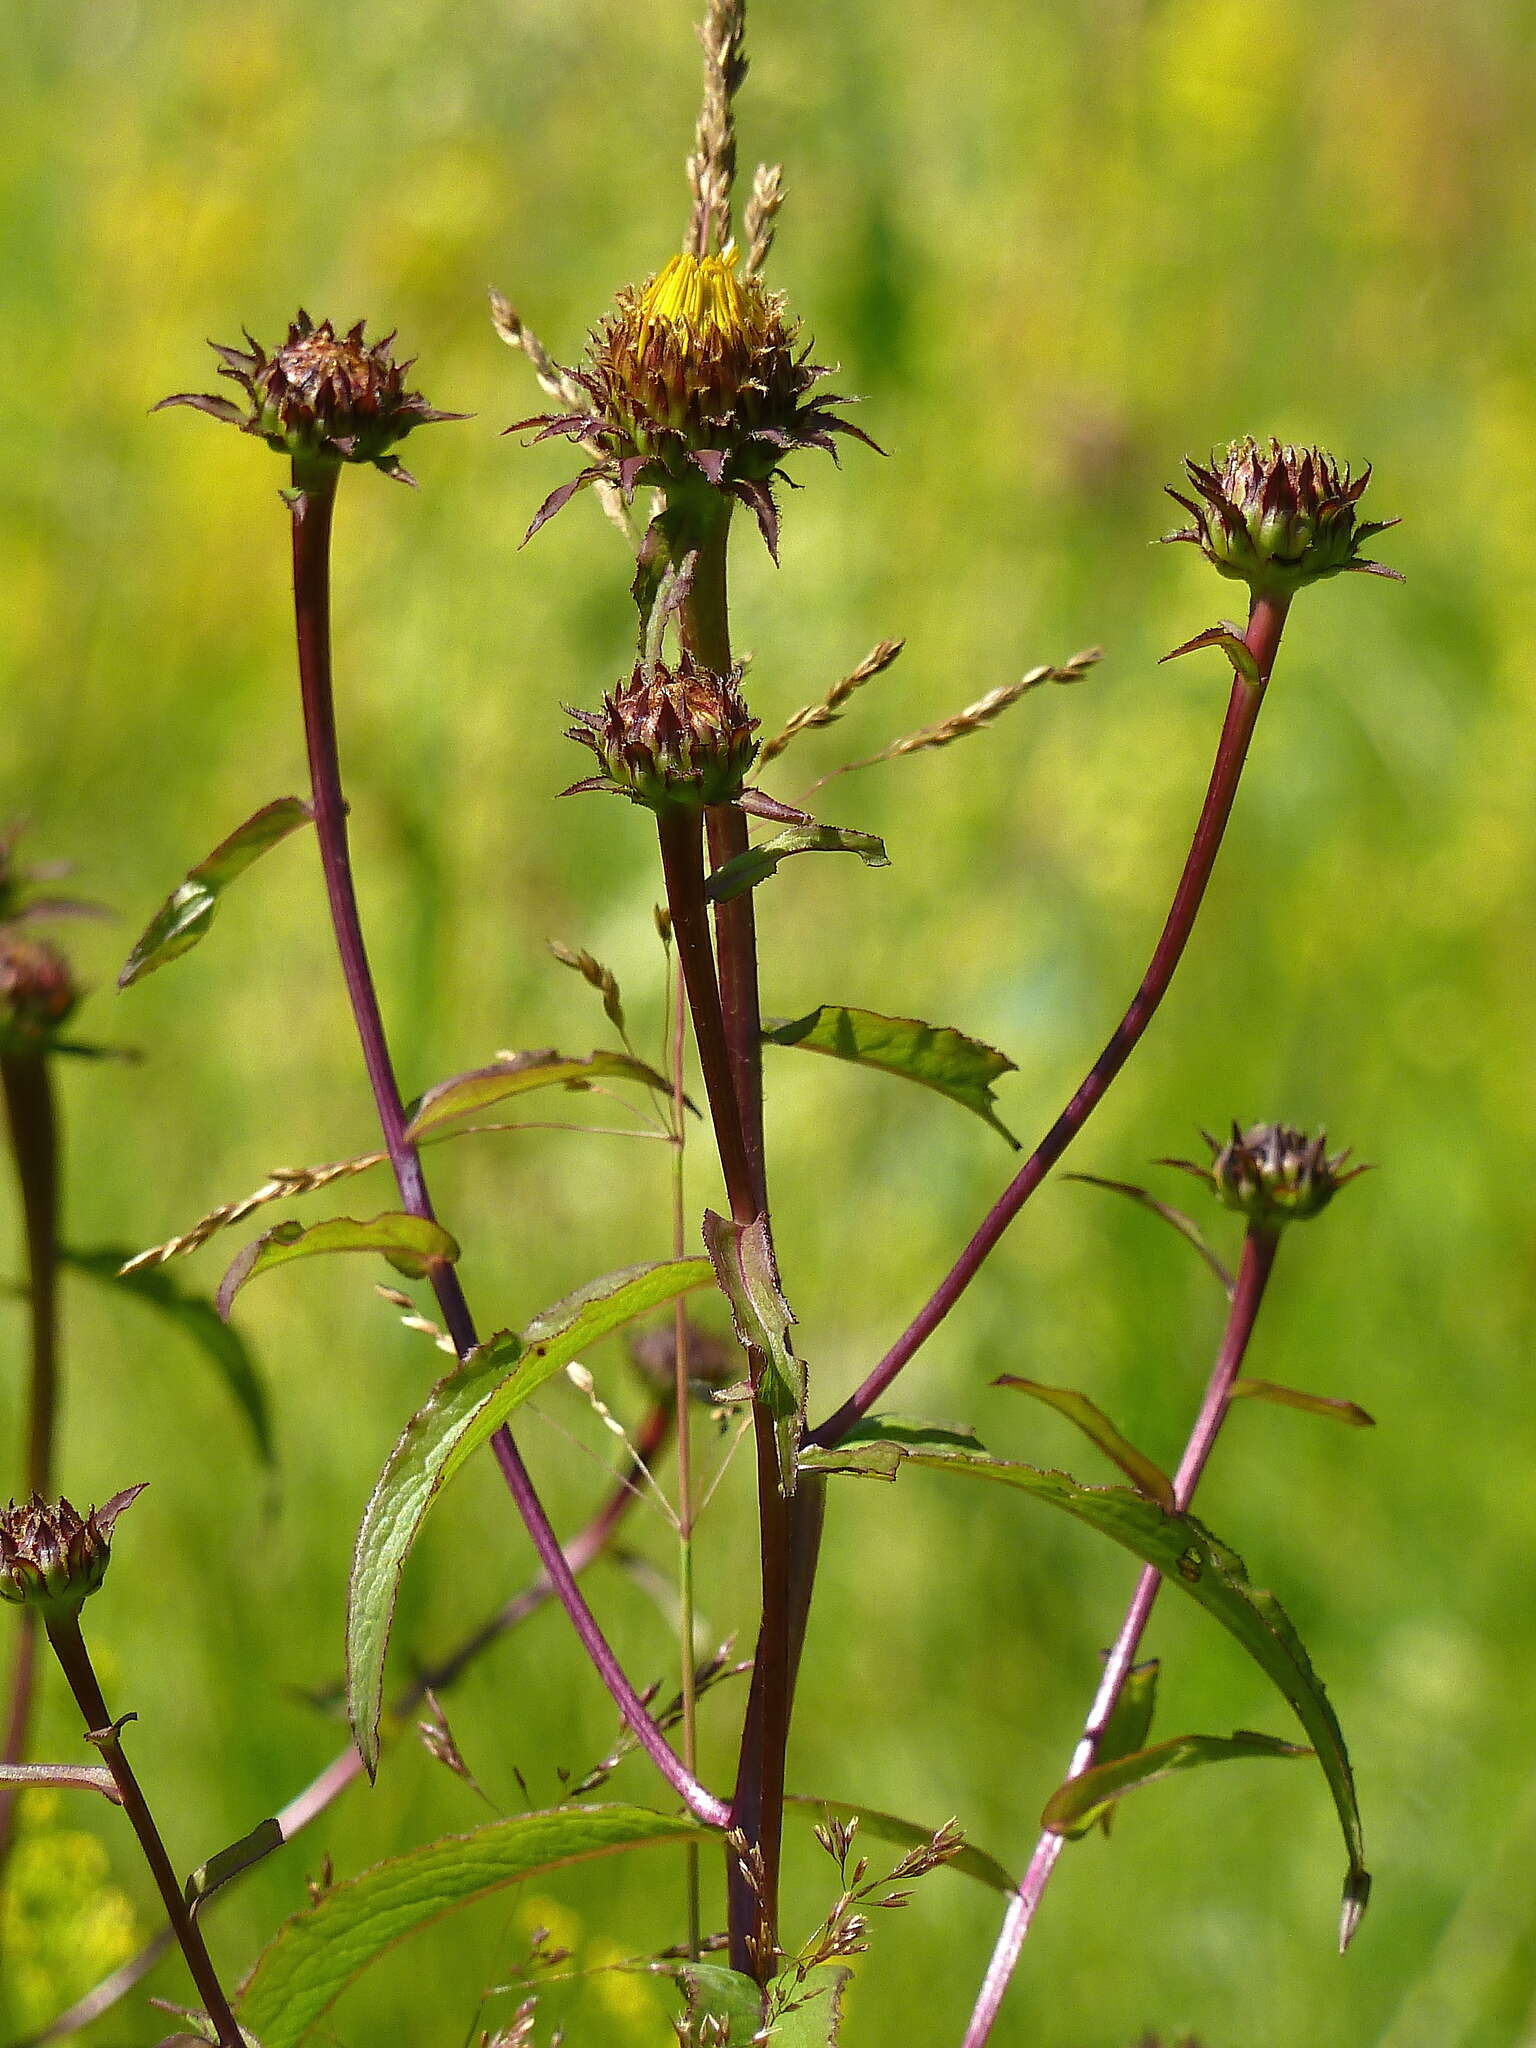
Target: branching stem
{"x": 313, "y": 504}
{"x": 1265, "y": 623}
{"x": 1252, "y": 1279}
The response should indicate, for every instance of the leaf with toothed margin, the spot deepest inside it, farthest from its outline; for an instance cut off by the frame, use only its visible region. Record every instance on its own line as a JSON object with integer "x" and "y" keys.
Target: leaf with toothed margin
{"x": 735, "y": 2003}
{"x": 1349, "y": 1412}
{"x": 463, "y": 1411}
{"x": 224, "y": 1347}
{"x": 188, "y": 911}
{"x": 316, "y": 1954}
{"x": 759, "y": 862}
{"x": 410, "y": 1243}
{"x": 1074, "y": 1807}
{"x": 467, "y": 1094}
{"x": 1148, "y": 1478}
{"x": 742, "y": 1254}
{"x": 936, "y": 1056}
{"x": 1188, "y": 1556}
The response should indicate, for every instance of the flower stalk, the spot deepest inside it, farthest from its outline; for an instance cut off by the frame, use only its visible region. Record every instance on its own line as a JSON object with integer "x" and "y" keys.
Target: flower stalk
{"x": 1253, "y": 1274}
{"x": 312, "y": 504}
{"x": 1259, "y": 647}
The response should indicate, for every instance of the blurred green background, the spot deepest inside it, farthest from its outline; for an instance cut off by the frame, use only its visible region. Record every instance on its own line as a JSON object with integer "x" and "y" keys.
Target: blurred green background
{"x": 1057, "y": 247}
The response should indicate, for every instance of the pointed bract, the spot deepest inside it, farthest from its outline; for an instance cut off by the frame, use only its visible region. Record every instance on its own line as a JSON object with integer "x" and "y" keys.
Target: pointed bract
{"x": 1273, "y": 1174}
{"x": 52, "y": 1557}
{"x": 1278, "y": 518}
{"x": 671, "y": 737}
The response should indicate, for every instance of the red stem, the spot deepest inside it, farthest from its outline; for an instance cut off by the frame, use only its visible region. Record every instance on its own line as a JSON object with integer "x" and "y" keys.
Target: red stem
{"x": 313, "y": 504}
{"x": 1266, "y": 621}
{"x": 1252, "y": 1279}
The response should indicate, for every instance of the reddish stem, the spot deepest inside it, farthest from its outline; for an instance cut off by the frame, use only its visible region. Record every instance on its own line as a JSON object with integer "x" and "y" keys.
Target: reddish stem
{"x": 1266, "y": 621}
{"x": 1252, "y": 1278}
{"x": 313, "y": 504}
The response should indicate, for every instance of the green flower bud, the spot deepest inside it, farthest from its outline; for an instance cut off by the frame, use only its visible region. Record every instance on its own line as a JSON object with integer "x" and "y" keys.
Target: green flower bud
{"x": 320, "y": 397}
{"x": 52, "y": 1557}
{"x": 1273, "y": 1174}
{"x": 1278, "y": 519}
{"x": 670, "y": 737}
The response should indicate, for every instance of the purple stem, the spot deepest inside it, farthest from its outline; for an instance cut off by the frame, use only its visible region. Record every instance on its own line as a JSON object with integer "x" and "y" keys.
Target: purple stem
{"x": 313, "y": 504}
{"x": 33, "y": 1123}
{"x": 1265, "y": 623}
{"x": 1252, "y": 1278}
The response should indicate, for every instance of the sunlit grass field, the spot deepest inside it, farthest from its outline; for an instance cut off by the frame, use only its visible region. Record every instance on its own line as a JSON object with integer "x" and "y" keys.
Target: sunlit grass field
{"x": 1056, "y": 247}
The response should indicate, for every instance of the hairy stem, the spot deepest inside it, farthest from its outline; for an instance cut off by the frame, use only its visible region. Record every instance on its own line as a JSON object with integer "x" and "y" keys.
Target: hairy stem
{"x": 1252, "y": 1279}
{"x": 33, "y": 1124}
{"x": 1266, "y": 621}
{"x": 313, "y": 504}
{"x": 69, "y": 1647}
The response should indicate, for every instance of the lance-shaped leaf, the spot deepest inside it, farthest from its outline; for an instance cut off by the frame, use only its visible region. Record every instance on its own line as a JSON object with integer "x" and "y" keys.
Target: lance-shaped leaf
{"x": 742, "y": 1254}
{"x": 463, "y": 1411}
{"x": 266, "y": 1836}
{"x": 910, "y": 1429}
{"x": 1074, "y": 1807}
{"x": 1148, "y": 1478}
{"x": 759, "y": 862}
{"x": 314, "y": 1956}
{"x": 1130, "y": 1722}
{"x": 63, "y": 1778}
{"x": 1349, "y": 1412}
{"x": 410, "y": 1243}
{"x": 188, "y": 911}
{"x": 906, "y": 1834}
{"x": 468, "y": 1094}
{"x": 1199, "y": 1564}
{"x": 1186, "y": 1226}
{"x": 934, "y": 1055}
{"x": 224, "y": 1347}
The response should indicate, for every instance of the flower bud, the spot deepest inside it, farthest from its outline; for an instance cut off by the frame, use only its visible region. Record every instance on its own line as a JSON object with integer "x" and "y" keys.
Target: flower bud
{"x": 670, "y": 736}
{"x": 1273, "y": 1174}
{"x": 320, "y": 397}
{"x": 1278, "y": 519}
{"x": 52, "y": 1557}
{"x": 696, "y": 377}
{"x": 36, "y": 992}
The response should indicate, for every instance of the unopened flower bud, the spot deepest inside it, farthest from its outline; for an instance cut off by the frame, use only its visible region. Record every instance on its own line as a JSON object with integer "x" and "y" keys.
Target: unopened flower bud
{"x": 51, "y": 1556}
{"x": 37, "y": 992}
{"x": 1278, "y": 518}
{"x": 320, "y": 397}
{"x": 1273, "y": 1174}
{"x": 671, "y": 736}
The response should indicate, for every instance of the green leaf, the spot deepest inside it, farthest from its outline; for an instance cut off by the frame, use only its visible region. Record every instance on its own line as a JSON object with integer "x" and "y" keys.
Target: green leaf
{"x": 1149, "y": 1480}
{"x": 907, "y": 1429}
{"x": 934, "y": 1055}
{"x": 1074, "y": 1807}
{"x": 742, "y": 1255}
{"x": 725, "y": 1996}
{"x": 1186, "y": 1226}
{"x": 410, "y": 1243}
{"x": 188, "y": 911}
{"x": 1129, "y": 1723}
{"x": 462, "y": 1412}
{"x": 314, "y": 1956}
{"x": 63, "y": 1777}
{"x": 224, "y": 1347}
{"x": 759, "y": 862}
{"x": 1349, "y": 1412}
{"x": 266, "y": 1836}
{"x": 817, "y": 2013}
{"x": 1191, "y": 1558}
{"x": 906, "y": 1834}
{"x": 466, "y": 1094}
